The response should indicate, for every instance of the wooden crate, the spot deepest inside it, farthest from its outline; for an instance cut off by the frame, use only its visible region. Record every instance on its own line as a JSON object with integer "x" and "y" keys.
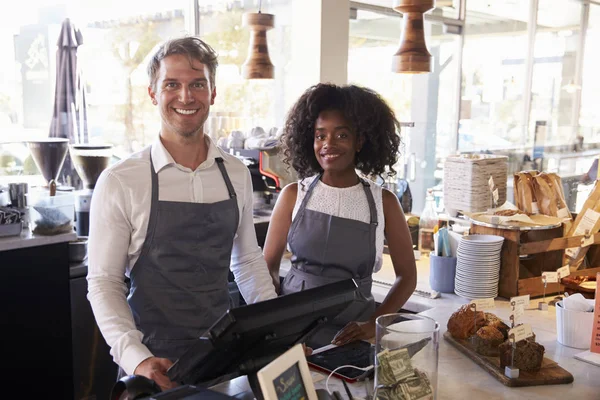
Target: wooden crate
{"x": 526, "y": 254}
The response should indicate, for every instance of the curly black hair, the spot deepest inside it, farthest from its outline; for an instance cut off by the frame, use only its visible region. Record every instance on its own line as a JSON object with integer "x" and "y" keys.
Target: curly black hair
{"x": 364, "y": 109}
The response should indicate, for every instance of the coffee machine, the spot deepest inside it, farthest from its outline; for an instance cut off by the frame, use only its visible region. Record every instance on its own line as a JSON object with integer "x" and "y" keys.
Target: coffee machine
{"x": 89, "y": 162}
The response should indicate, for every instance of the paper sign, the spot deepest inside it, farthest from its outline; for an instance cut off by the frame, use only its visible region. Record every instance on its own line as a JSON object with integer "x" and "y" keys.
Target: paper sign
{"x": 595, "y": 346}
{"x": 550, "y": 276}
{"x": 563, "y": 213}
{"x": 519, "y": 311}
{"x": 521, "y": 301}
{"x": 564, "y": 271}
{"x": 484, "y": 304}
{"x": 585, "y": 226}
{"x": 521, "y": 332}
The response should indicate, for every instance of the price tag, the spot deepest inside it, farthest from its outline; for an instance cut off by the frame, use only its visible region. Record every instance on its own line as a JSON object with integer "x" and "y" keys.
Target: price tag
{"x": 564, "y": 271}
{"x": 484, "y": 304}
{"x": 521, "y": 332}
{"x": 534, "y": 208}
{"x": 495, "y": 195}
{"x": 550, "y": 276}
{"x": 491, "y": 183}
{"x": 522, "y": 301}
{"x": 587, "y": 241}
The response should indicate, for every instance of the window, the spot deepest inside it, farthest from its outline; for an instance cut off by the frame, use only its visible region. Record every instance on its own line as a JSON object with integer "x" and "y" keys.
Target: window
{"x": 118, "y": 38}
{"x": 429, "y": 101}
{"x": 494, "y": 76}
{"x": 244, "y": 104}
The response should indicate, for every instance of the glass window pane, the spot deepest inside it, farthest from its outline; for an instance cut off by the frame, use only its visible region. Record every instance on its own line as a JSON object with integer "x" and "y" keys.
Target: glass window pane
{"x": 589, "y": 118}
{"x": 494, "y": 73}
{"x": 427, "y": 100}
{"x": 553, "y": 87}
{"x": 244, "y": 104}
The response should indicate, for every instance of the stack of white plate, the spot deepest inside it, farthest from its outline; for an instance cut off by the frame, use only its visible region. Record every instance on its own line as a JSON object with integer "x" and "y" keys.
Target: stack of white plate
{"x": 478, "y": 266}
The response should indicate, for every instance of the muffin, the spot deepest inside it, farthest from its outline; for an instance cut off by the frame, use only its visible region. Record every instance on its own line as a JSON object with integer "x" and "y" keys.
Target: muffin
{"x": 486, "y": 341}
{"x": 528, "y": 355}
{"x": 463, "y": 323}
{"x": 494, "y": 321}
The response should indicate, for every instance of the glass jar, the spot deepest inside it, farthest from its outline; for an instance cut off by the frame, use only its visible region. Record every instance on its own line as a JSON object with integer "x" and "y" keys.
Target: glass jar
{"x": 406, "y": 360}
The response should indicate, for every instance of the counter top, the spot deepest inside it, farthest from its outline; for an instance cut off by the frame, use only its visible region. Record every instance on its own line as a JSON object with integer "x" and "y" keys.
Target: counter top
{"x": 28, "y": 239}
{"x": 458, "y": 376}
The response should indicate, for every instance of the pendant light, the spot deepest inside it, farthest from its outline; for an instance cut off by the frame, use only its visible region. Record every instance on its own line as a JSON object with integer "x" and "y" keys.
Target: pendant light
{"x": 258, "y": 64}
{"x": 412, "y": 57}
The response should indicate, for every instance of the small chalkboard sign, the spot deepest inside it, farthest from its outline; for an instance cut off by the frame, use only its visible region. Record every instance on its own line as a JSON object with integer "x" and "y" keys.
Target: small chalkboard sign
{"x": 287, "y": 377}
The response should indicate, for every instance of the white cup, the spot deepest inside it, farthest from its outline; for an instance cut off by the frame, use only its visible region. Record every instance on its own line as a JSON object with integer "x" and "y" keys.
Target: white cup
{"x": 573, "y": 328}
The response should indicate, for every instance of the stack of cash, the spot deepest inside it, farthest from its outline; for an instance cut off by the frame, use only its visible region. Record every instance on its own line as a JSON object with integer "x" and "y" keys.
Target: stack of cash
{"x": 398, "y": 380}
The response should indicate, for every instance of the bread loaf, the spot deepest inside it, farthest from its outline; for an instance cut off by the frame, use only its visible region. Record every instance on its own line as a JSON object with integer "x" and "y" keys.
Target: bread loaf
{"x": 464, "y": 323}
{"x": 528, "y": 355}
{"x": 486, "y": 341}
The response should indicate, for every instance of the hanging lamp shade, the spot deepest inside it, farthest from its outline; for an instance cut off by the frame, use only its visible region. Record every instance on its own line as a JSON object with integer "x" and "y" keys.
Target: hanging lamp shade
{"x": 258, "y": 64}
{"x": 412, "y": 57}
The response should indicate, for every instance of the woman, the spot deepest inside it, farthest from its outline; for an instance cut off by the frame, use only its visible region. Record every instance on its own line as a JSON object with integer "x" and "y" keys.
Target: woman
{"x": 333, "y": 220}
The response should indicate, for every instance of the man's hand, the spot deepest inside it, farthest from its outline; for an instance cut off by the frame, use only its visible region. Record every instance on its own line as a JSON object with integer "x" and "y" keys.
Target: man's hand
{"x": 354, "y": 331}
{"x": 156, "y": 369}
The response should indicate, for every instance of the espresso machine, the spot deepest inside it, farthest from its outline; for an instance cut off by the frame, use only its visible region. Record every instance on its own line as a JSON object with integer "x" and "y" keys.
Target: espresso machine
{"x": 89, "y": 162}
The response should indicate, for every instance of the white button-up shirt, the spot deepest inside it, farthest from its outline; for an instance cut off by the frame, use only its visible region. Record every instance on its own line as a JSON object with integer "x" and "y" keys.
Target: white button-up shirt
{"x": 119, "y": 217}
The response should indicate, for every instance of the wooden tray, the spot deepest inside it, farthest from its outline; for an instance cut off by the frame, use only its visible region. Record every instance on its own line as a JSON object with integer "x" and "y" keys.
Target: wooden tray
{"x": 550, "y": 373}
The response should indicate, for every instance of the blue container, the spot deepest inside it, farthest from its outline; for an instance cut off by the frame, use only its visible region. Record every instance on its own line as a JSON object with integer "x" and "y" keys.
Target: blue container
{"x": 441, "y": 273}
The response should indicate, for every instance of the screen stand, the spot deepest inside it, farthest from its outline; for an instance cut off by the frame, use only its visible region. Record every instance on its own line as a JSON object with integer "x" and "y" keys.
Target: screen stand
{"x": 255, "y": 386}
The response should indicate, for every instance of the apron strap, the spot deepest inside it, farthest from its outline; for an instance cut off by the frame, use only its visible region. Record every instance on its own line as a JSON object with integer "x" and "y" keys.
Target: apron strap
{"x": 230, "y": 189}
{"x": 307, "y": 196}
{"x": 153, "y": 210}
{"x": 370, "y": 200}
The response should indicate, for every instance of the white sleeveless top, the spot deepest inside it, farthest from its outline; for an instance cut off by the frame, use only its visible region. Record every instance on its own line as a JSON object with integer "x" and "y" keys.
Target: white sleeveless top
{"x": 349, "y": 202}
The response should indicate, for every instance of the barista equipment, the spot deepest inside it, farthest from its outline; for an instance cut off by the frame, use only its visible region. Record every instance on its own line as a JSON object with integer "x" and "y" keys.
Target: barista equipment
{"x": 50, "y": 206}
{"x": 49, "y": 155}
{"x": 89, "y": 162}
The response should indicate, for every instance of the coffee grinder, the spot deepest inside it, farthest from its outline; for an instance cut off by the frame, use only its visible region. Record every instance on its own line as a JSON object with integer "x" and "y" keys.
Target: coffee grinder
{"x": 89, "y": 162}
{"x": 49, "y": 156}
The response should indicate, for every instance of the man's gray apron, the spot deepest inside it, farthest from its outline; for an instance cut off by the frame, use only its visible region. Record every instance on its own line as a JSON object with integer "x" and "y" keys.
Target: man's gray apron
{"x": 179, "y": 282}
{"x": 327, "y": 249}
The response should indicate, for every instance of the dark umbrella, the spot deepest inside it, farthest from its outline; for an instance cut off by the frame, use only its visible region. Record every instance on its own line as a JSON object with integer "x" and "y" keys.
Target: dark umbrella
{"x": 69, "y": 119}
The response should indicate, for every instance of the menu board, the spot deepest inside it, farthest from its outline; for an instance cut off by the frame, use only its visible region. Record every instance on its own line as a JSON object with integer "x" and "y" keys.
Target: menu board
{"x": 289, "y": 385}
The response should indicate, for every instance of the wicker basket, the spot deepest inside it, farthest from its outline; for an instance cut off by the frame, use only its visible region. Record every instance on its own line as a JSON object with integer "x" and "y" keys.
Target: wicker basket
{"x": 466, "y": 179}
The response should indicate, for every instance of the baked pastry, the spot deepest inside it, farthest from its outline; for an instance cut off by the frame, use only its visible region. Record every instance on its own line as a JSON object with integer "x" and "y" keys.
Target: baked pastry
{"x": 463, "y": 323}
{"x": 528, "y": 355}
{"x": 487, "y": 340}
{"x": 493, "y": 320}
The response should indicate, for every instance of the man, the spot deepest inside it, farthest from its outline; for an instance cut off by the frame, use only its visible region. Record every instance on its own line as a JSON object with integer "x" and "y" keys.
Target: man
{"x": 174, "y": 218}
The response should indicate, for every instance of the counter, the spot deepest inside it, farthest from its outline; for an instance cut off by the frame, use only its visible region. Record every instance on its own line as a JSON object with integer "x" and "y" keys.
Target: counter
{"x": 28, "y": 239}
{"x": 458, "y": 376}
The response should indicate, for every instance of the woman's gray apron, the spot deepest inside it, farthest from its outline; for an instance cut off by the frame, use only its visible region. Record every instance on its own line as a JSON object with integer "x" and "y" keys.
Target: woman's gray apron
{"x": 327, "y": 249}
{"x": 179, "y": 282}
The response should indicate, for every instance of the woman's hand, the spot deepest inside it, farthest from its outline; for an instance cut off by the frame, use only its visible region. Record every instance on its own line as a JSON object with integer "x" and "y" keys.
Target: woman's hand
{"x": 307, "y": 350}
{"x": 276, "y": 283}
{"x": 354, "y": 331}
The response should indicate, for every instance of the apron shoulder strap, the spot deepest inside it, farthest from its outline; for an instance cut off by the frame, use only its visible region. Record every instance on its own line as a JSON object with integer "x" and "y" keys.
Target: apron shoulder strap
{"x": 308, "y": 194}
{"x": 230, "y": 189}
{"x": 367, "y": 188}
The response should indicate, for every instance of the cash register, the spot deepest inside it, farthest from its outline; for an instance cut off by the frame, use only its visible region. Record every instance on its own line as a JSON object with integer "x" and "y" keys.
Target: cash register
{"x": 244, "y": 340}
